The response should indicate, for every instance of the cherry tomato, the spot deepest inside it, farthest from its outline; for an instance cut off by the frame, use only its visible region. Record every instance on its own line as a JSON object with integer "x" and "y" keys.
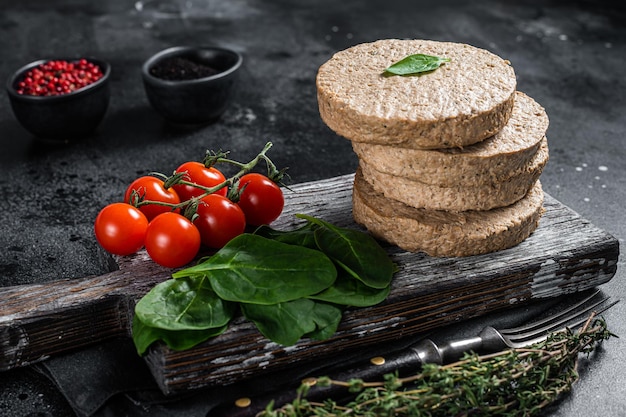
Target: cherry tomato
{"x": 120, "y": 228}
{"x": 172, "y": 240}
{"x": 151, "y": 188}
{"x": 219, "y": 220}
{"x": 199, "y": 174}
{"x": 262, "y": 200}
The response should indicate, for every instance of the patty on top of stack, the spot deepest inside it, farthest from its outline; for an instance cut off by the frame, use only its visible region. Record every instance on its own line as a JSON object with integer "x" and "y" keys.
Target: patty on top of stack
{"x": 449, "y": 159}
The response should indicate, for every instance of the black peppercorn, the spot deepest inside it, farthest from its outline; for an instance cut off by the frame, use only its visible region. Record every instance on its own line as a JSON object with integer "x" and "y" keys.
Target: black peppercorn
{"x": 181, "y": 68}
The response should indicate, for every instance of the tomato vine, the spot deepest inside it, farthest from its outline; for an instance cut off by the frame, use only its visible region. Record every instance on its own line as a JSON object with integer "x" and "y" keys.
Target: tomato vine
{"x": 218, "y": 208}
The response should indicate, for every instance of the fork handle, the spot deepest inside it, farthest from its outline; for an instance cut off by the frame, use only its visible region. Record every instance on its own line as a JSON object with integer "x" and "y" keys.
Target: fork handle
{"x": 407, "y": 360}
{"x": 430, "y": 352}
{"x": 404, "y": 362}
{"x": 488, "y": 340}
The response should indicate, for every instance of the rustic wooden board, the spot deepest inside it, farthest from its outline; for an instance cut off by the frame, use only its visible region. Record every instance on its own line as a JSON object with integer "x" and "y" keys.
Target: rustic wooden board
{"x": 566, "y": 254}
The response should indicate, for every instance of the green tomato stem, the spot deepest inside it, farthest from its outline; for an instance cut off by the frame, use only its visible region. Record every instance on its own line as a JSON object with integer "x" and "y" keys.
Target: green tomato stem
{"x": 177, "y": 178}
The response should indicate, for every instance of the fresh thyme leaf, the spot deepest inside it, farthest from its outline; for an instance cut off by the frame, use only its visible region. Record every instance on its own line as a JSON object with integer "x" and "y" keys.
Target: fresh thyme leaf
{"x": 512, "y": 383}
{"x": 416, "y": 64}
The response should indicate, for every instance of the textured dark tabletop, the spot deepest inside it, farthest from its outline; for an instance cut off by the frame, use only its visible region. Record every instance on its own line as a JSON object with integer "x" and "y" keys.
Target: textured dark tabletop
{"x": 569, "y": 56}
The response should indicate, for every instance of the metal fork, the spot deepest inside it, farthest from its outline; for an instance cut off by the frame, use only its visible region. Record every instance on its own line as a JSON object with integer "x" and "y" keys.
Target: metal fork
{"x": 491, "y": 339}
{"x": 411, "y": 358}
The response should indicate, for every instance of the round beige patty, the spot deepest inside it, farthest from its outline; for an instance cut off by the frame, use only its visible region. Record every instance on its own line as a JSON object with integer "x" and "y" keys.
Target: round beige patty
{"x": 462, "y": 102}
{"x": 440, "y": 233}
{"x": 485, "y": 196}
{"x": 495, "y": 159}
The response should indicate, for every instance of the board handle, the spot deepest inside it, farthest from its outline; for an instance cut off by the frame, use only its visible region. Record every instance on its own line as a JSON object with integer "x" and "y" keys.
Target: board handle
{"x": 41, "y": 320}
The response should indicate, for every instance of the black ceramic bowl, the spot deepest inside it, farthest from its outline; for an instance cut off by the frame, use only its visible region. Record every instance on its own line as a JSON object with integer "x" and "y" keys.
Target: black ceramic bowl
{"x": 62, "y": 117}
{"x": 201, "y": 92}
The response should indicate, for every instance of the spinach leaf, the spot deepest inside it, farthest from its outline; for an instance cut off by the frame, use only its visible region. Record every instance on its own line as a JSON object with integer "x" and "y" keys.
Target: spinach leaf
{"x": 327, "y": 318}
{"x": 291, "y": 284}
{"x": 416, "y": 64}
{"x": 349, "y": 291}
{"x": 254, "y": 269}
{"x": 144, "y": 336}
{"x": 286, "y": 323}
{"x": 184, "y": 304}
{"x": 303, "y": 236}
{"x": 355, "y": 251}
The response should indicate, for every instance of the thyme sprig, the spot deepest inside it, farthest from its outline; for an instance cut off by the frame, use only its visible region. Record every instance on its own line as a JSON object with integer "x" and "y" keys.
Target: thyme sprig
{"x": 511, "y": 383}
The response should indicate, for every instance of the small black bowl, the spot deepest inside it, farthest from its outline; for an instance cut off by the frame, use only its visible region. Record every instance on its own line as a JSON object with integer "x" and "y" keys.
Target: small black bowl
{"x": 63, "y": 117}
{"x": 199, "y": 98}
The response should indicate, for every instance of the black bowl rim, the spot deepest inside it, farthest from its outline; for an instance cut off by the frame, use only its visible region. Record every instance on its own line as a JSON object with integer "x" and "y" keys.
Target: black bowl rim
{"x": 10, "y": 86}
{"x": 176, "y": 50}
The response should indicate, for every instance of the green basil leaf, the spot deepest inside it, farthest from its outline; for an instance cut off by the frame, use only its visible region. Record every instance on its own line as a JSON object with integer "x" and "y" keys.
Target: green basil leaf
{"x": 144, "y": 336}
{"x": 303, "y": 236}
{"x": 286, "y": 323}
{"x": 349, "y": 291}
{"x": 184, "y": 304}
{"x": 416, "y": 64}
{"x": 356, "y": 252}
{"x": 254, "y": 269}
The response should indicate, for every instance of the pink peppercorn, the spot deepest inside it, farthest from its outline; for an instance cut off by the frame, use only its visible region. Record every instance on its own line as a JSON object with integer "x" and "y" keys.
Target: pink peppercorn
{"x": 59, "y": 77}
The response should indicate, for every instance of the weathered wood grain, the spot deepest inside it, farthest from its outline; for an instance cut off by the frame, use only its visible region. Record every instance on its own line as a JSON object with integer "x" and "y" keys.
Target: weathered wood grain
{"x": 566, "y": 254}
{"x": 40, "y": 320}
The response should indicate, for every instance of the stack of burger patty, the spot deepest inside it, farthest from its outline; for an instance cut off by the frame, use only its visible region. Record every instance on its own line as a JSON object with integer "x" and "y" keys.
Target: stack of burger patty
{"x": 449, "y": 159}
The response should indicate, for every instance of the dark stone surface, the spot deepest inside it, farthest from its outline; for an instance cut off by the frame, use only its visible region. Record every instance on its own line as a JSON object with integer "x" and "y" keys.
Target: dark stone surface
{"x": 569, "y": 56}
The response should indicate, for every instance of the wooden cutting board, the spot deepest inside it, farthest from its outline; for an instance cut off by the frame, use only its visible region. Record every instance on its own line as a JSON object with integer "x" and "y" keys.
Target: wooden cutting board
{"x": 566, "y": 254}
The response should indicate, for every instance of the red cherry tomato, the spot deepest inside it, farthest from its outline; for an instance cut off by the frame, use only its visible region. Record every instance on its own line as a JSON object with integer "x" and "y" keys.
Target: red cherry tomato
{"x": 219, "y": 220}
{"x": 120, "y": 228}
{"x": 151, "y": 188}
{"x": 262, "y": 199}
{"x": 172, "y": 240}
{"x": 201, "y": 175}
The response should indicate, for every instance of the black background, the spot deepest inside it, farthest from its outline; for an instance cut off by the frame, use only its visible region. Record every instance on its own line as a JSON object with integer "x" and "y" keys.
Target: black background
{"x": 568, "y": 56}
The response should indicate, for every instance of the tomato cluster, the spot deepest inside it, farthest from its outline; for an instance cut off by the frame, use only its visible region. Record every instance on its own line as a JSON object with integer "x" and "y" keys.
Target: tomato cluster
{"x": 153, "y": 215}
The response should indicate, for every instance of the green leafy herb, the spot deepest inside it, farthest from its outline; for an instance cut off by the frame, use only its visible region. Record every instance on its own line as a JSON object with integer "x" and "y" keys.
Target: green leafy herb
{"x": 303, "y": 236}
{"x": 356, "y": 252}
{"x": 416, "y": 64}
{"x": 351, "y": 292}
{"x": 288, "y": 322}
{"x": 327, "y": 318}
{"x": 253, "y": 269}
{"x": 184, "y": 304}
{"x": 291, "y": 284}
{"x": 144, "y": 336}
{"x": 513, "y": 383}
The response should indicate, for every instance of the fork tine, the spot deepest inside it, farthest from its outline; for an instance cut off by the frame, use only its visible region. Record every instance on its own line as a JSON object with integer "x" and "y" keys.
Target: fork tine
{"x": 561, "y": 318}
{"x": 553, "y": 326}
{"x": 523, "y": 339}
{"x": 597, "y": 312}
{"x": 555, "y": 322}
